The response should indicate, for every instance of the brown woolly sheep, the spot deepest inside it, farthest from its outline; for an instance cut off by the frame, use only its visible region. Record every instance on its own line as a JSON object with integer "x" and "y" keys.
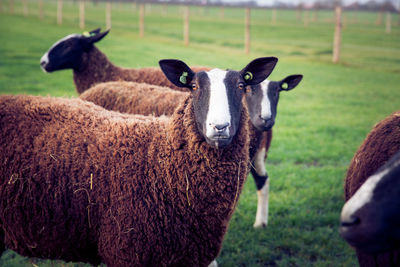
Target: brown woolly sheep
{"x": 81, "y": 183}
{"x": 134, "y": 98}
{"x": 379, "y": 146}
{"x": 90, "y": 66}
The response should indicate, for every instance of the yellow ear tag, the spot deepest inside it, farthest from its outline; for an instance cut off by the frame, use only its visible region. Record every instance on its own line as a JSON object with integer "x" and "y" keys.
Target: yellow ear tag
{"x": 86, "y": 34}
{"x": 285, "y": 86}
{"x": 248, "y": 76}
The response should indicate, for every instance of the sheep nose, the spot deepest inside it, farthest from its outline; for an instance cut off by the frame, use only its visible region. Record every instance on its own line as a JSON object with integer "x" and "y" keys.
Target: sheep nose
{"x": 220, "y": 127}
{"x": 265, "y": 118}
{"x": 350, "y": 221}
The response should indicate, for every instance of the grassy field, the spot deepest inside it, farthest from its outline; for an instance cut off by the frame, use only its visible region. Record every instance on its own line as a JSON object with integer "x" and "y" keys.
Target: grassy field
{"x": 319, "y": 126}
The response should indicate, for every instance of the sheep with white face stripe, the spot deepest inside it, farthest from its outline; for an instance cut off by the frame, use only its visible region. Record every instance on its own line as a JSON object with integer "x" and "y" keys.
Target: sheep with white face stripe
{"x": 126, "y": 190}
{"x": 370, "y": 219}
{"x": 262, "y": 101}
{"x": 146, "y": 99}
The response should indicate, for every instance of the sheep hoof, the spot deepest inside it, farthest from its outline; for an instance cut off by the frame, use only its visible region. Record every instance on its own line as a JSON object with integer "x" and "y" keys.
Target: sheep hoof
{"x": 213, "y": 264}
{"x": 259, "y": 225}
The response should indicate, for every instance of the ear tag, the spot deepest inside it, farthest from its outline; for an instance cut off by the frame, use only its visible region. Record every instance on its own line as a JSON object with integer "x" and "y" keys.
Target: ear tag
{"x": 284, "y": 86}
{"x": 182, "y": 79}
{"x": 88, "y": 34}
{"x": 248, "y": 76}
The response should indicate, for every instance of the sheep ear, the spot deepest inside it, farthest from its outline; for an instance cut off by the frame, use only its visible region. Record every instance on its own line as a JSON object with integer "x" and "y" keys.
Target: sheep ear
{"x": 95, "y": 31}
{"x": 97, "y": 37}
{"x": 258, "y": 70}
{"x": 290, "y": 82}
{"x": 177, "y": 72}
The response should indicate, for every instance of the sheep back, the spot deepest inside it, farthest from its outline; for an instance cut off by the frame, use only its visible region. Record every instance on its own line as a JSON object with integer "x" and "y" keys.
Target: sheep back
{"x": 134, "y": 98}
{"x": 80, "y": 183}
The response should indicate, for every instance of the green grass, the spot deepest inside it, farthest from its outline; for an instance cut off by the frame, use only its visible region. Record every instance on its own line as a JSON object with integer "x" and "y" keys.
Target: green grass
{"x": 319, "y": 126}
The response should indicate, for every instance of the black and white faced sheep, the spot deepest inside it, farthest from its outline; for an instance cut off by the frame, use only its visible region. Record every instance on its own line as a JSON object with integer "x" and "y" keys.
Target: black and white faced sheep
{"x": 261, "y": 100}
{"x": 370, "y": 219}
{"x": 379, "y": 146}
{"x": 90, "y": 66}
{"x": 81, "y": 183}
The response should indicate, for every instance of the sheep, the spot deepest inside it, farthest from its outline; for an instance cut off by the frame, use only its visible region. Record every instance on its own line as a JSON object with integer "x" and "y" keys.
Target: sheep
{"x": 380, "y": 145}
{"x": 80, "y": 183}
{"x": 90, "y": 66}
{"x": 262, "y": 100}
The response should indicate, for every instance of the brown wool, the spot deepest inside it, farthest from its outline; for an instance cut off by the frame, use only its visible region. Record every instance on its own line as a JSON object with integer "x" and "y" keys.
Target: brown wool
{"x": 96, "y": 68}
{"x": 146, "y": 99}
{"x": 378, "y": 147}
{"x": 80, "y": 183}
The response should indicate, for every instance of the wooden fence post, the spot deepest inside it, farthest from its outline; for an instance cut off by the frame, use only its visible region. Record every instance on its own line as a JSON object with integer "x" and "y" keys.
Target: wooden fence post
{"x": 247, "y": 31}
{"x": 379, "y": 18}
{"x": 82, "y": 14}
{"x": 108, "y": 15}
{"x": 141, "y": 21}
{"x": 273, "y": 19}
{"x": 186, "y": 25}
{"x": 388, "y": 22}
{"x": 26, "y": 12}
{"x": 337, "y": 37}
{"x": 11, "y": 6}
{"x": 59, "y": 12}
{"x": 41, "y": 13}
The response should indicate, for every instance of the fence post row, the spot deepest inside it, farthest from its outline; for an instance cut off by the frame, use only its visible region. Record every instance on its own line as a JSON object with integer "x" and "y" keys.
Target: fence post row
{"x": 247, "y": 31}
{"x": 108, "y": 15}
{"x": 186, "y": 25}
{"x": 337, "y": 37}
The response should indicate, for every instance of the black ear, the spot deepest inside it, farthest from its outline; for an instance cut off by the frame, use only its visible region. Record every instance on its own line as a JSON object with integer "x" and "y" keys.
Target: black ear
{"x": 97, "y": 37}
{"x": 177, "y": 72}
{"x": 258, "y": 70}
{"x": 290, "y": 82}
{"x": 95, "y": 31}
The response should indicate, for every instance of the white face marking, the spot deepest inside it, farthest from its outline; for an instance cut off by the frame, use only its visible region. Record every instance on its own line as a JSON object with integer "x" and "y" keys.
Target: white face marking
{"x": 45, "y": 57}
{"x": 266, "y": 112}
{"x": 362, "y": 196}
{"x": 218, "y": 106}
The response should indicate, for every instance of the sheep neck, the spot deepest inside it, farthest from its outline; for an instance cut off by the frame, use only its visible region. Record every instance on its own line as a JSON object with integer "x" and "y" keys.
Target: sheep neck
{"x": 95, "y": 68}
{"x": 209, "y": 173}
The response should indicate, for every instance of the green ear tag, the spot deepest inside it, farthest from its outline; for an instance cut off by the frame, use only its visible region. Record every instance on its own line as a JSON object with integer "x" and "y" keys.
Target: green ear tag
{"x": 182, "y": 79}
{"x": 285, "y": 86}
{"x": 248, "y": 76}
{"x": 88, "y": 34}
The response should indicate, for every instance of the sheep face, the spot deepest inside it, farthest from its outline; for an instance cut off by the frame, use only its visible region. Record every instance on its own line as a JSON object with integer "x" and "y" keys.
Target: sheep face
{"x": 370, "y": 219}
{"x": 262, "y": 100}
{"x": 67, "y": 53}
{"x": 217, "y": 95}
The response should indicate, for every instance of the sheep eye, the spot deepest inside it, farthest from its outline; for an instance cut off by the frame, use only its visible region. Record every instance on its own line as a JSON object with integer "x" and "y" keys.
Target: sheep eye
{"x": 241, "y": 86}
{"x": 194, "y": 86}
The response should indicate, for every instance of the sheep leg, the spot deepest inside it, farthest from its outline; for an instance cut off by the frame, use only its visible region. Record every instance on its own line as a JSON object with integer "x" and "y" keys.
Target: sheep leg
{"x": 2, "y": 244}
{"x": 262, "y": 182}
{"x": 213, "y": 264}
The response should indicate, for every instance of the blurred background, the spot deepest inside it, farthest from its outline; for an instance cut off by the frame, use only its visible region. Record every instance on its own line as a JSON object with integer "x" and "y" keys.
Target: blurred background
{"x": 348, "y": 52}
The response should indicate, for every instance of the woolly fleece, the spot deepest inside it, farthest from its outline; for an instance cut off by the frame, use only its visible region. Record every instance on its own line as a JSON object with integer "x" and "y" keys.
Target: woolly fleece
{"x": 378, "y": 147}
{"x": 80, "y": 183}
